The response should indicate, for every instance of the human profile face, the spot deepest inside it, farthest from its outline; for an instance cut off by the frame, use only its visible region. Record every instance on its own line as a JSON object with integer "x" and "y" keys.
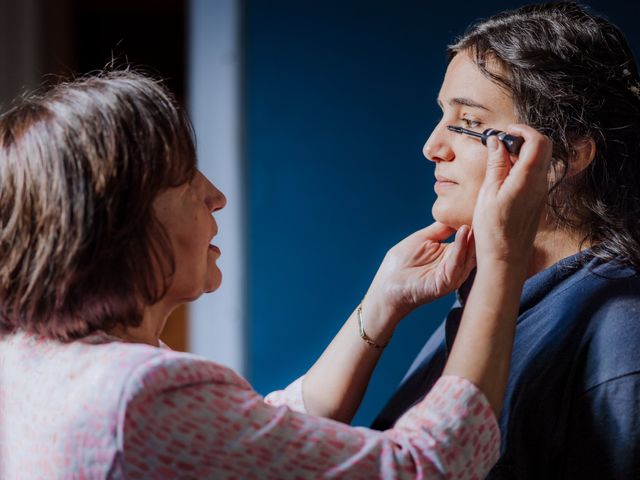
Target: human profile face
{"x": 185, "y": 212}
{"x": 468, "y": 99}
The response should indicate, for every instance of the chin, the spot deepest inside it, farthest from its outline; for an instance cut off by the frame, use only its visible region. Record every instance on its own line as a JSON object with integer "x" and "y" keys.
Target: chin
{"x": 197, "y": 290}
{"x": 212, "y": 288}
{"x": 453, "y": 218}
{"x": 214, "y": 282}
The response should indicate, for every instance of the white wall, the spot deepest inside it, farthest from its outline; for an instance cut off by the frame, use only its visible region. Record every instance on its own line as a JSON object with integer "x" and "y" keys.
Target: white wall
{"x": 217, "y": 321}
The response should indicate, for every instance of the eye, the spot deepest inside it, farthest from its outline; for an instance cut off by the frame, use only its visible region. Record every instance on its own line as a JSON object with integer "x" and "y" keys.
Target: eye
{"x": 192, "y": 176}
{"x": 469, "y": 123}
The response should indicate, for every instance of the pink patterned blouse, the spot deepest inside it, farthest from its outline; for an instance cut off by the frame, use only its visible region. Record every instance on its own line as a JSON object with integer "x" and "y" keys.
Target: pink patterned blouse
{"x": 100, "y": 408}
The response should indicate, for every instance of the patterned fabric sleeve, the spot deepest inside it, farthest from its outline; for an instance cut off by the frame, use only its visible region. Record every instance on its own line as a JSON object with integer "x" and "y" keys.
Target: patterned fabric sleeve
{"x": 290, "y": 396}
{"x": 458, "y": 432}
{"x": 179, "y": 423}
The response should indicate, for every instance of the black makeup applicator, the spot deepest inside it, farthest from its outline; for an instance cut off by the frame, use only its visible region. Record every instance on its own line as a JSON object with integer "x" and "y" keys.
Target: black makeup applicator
{"x": 512, "y": 142}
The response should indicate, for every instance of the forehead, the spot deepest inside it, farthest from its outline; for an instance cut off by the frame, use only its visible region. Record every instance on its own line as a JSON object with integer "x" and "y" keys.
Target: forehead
{"x": 464, "y": 80}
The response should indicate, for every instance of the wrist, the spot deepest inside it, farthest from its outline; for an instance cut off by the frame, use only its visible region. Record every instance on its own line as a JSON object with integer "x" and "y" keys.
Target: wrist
{"x": 383, "y": 300}
{"x": 500, "y": 279}
{"x": 504, "y": 268}
{"x": 379, "y": 319}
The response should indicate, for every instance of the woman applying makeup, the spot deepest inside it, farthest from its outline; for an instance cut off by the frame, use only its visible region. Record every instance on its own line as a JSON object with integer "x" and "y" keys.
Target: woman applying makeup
{"x": 107, "y": 227}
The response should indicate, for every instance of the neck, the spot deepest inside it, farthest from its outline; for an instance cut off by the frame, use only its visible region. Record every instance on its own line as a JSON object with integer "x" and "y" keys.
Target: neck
{"x": 154, "y": 319}
{"x": 552, "y": 245}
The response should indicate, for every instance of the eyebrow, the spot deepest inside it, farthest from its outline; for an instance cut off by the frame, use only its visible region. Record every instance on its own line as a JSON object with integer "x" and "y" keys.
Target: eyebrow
{"x": 467, "y": 102}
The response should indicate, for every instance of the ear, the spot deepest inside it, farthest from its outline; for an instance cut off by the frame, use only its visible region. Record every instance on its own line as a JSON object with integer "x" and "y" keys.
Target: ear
{"x": 582, "y": 154}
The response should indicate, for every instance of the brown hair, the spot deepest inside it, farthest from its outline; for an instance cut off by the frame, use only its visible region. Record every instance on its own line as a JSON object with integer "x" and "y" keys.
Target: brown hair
{"x": 572, "y": 75}
{"x": 80, "y": 166}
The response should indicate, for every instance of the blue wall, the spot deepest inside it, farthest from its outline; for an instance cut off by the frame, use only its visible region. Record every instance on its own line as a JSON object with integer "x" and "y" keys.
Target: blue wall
{"x": 340, "y": 97}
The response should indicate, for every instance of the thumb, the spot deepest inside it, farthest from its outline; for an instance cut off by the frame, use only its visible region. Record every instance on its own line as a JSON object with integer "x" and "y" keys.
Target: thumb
{"x": 498, "y": 164}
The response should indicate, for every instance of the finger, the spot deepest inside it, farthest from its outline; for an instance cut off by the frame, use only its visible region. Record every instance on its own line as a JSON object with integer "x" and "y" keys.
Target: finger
{"x": 455, "y": 260}
{"x": 435, "y": 232}
{"x": 498, "y": 165}
{"x": 470, "y": 261}
{"x": 536, "y": 151}
{"x": 529, "y": 174}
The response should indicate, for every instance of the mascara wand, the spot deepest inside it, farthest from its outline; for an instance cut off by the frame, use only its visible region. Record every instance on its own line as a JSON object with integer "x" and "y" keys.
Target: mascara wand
{"x": 512, "y": 142}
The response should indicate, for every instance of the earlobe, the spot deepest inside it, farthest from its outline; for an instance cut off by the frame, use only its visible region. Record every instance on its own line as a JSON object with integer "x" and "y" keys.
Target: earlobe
{"x": 582, "y": 154}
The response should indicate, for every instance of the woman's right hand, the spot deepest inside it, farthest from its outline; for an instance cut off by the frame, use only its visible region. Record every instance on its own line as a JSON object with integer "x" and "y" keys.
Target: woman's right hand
{"x": 507, "y": 212}
{"x": 505, "y": 221}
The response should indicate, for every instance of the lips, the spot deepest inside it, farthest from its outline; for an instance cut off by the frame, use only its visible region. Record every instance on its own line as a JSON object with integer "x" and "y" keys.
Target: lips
{"x": 213, "y": 247}
{"x": 443, "y": 184}
{"x": 443, "y": 179}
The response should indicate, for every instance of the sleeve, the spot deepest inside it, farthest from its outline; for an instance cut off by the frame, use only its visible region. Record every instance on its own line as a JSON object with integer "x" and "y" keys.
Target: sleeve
{"x": 290, "y": 396}
{"x": 222, "y": 430}
{"x": 604, "y": 431}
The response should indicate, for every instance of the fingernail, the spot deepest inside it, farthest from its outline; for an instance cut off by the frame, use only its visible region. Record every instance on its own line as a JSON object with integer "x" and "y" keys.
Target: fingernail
{"x": 492, "y": 143}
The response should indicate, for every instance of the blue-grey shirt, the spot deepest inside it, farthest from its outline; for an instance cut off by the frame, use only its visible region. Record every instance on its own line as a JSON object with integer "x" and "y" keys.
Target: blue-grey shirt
{"x": 572, "y": 403}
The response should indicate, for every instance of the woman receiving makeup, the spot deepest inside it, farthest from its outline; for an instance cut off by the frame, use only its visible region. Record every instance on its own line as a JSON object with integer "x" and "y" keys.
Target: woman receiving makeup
{"x": 571, "y": 407}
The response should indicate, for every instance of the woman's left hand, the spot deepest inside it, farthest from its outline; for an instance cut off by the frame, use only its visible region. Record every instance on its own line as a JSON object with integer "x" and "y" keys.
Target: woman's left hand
{"x": 420, "y": 269}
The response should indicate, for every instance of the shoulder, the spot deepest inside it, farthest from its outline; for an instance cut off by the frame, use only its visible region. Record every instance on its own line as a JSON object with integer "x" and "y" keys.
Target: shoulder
{"x": 99, "y": 371}
{"x": 168, "y": 370}
{"x": 612, "y": 296}
{"x": 167, "y": 400}
{"x": 596, "y": 283}
{"x": 590, "y": 314}
{"x": 612, "y": 336}
{"x": 72, "y": 397}
{"x": 606, "y": 293}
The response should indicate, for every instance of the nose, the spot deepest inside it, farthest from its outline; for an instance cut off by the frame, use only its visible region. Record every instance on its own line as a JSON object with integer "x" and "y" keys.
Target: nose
{"x": 214, "y": 199}
{"x": 437, "y": 148}
{"x": 217, "y": 199}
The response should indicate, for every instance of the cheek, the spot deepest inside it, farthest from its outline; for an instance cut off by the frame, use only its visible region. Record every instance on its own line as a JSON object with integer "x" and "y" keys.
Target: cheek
{"x": 473, "y": 181}
{"x": 456, "y": 208}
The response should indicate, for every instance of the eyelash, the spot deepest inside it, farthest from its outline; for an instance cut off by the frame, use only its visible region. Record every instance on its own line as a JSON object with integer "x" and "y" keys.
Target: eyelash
{"x": 471, "y": 124}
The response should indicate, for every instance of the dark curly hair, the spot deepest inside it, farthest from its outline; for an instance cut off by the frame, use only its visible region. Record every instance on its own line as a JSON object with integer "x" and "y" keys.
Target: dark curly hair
{"x": 80, "y": 165}
{"x": 572, "y": 76}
